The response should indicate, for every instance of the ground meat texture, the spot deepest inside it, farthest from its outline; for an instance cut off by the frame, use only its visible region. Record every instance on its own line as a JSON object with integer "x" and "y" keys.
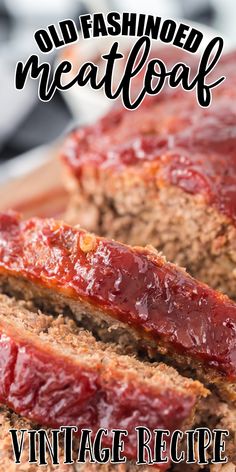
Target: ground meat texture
{"x": 164, "y": 175}
{"x": 58, "y": 336}
{"x": 55, "y": 374}
{"x": 104, "y": 282}
{"x": 10, "y": 420}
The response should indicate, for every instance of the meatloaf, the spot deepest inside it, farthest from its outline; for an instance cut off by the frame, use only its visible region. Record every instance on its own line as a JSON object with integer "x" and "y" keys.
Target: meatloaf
{"x": 10, "y": 420}
{"x": 44, "y": 362}
{"x": 164, "y": 174}
{"x": 130, "y": 295}
{"x": 55, "y": 374}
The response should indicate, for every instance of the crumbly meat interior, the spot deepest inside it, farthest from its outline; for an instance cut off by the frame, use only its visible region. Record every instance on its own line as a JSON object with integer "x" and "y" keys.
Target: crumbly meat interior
{"x": 10, "y": 420}
{"x": 211, "y": 411}
{"x": 111, "y": 331}
{"x": 187, "y": 230}
{"x": 80, "y": 346}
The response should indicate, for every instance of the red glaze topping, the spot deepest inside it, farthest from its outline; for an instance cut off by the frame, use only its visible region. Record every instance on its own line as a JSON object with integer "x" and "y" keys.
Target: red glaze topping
{"x": 133, "y": 285}
{"x": 41, "y": 384}
{"x": 192, "y": 148}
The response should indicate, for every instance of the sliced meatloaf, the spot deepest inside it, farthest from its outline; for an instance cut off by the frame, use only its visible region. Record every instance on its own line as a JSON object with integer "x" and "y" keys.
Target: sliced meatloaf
{"x": 130, "y": 295}
{"x": 164, "y": 174}
{"x": 44, "y": 364}
{"x": 10, "y": 420}
{"x": 55, "y": 374}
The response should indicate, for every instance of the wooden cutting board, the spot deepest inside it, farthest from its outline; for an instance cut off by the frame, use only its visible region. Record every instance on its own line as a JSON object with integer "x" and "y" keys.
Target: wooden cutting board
{"x": 38, "y": 193}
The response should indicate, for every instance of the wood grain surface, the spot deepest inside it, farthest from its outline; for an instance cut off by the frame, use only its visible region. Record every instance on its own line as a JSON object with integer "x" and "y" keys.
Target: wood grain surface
{"x": 38, "y": 193}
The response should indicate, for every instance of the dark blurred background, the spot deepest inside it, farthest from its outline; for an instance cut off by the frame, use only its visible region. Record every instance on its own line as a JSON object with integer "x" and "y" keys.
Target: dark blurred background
{"x": 25, "y": 122}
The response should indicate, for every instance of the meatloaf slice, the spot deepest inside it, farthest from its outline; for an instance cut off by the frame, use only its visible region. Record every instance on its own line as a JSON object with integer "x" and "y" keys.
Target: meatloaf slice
{"x": 108, "y": 286}
{"x": 164, "y": 174}
{"x": 10, "y": 420}
{"x": 56, "y": 374}
{"x": 31, "y": 346}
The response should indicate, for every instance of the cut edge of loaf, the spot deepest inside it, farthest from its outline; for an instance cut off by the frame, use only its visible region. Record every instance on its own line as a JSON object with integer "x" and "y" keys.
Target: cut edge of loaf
{"x": 183, "y": 226}
{"x": 9, "y": 420}
{"x": 105, "y": 328}
{"x": 61, "y": 337}
{"x": 48, "y": 327}
{"x": 52, "y": 372}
